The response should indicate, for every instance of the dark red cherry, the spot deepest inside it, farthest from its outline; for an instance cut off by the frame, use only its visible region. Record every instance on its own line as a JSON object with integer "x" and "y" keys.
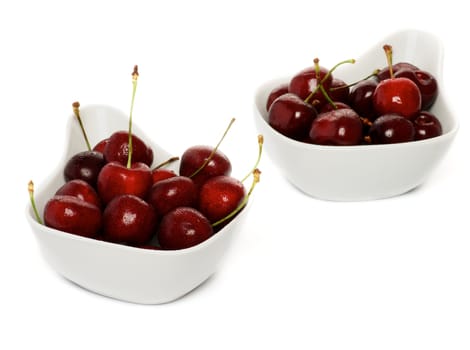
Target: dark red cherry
{"x": 279, "y": 90}
{"x": 168, "y": 194}
{"x": 391, "y": 128}
{"x": 426, "y": 82}
{"x": 339, "y": 90}
{"x": 291, "y": 116}
{"x": 183, "y": 227}
{"x": 384, "y": 73}
{"x": 360, "y": 98}
{"x": 339, "y": 127}
{"x": 73, "y": 215}
{"x": 162, "y": 174}
{"x": 85, "y": 166}
{"x": 427, "y": 125}
{"x": 129, "y": 219}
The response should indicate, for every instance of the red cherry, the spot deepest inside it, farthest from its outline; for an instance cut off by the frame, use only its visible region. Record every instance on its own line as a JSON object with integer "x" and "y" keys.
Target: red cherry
{"x": 194, "y": 157}
{"x": 275, "y": 93}
{"x": 183, "y": 227}
{"x": 340, "y": 127}
{"x": 291, "y": 116}
{"x": 73, "y": 215}
{"x": 219, "y": 196}
{"x": 162, "y": 174}
{"x": 306, "y": 82}
{"x": 396, "y": 95}
{"x": 168, "y": 194}
{"x": 361, "y": 98}
{"x": 116, "y": 179}
{"x": 117, "y": 149}
{"x": 100, "y": 146}
{"x": 80, "y": 189}
{"x": 129, "y": 219}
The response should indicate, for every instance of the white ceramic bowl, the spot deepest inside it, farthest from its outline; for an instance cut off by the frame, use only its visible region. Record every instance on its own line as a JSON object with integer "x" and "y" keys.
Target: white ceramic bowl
{"x": 355, "y": 173}
{"x": 121, "y": 272}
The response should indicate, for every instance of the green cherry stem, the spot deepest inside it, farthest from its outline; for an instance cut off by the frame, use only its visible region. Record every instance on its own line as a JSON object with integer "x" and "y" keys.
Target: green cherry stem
{"x": 211, "y": 155}
{"x": 256, "y": 177}
{"x": 33, "y": 202}
{"x": 373, "y": 74}
{"x": 76, "y": 111}
{"x": 260, "y": 151}
{"x": 135, "y": 76}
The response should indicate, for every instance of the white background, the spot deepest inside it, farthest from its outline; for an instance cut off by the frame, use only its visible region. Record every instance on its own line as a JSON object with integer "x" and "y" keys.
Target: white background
{"x": 304, "y": 274}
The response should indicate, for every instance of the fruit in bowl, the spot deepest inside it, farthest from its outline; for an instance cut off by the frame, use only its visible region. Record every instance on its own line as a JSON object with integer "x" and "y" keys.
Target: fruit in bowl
{"x": 126, "y": 229}
{"x": 361, "y": 154}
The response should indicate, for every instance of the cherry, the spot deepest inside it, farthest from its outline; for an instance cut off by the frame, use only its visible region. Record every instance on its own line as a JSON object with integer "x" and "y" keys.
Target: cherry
{"x": 396, "y": 95}
{"x": 340, "y": 127}
{"x": 160, "y": 173}
{"x": 291, "y": 116}
{"x": 183, "y": 227}
{"x": 306, "y": 83}
{"x": 85, "y": 165}
{"x": 168, "y": 194}
{"x": 332, "y": 106}
{"x": 279, "y": 90}
{"x": 100, "y": 146}
{"x": 391, "y": 128}
{"x": 116, "y": 179}
{"x": 80, "y": 189}
{"x": 117, "y": 149}
{"x": 384, "y": 73}
{"x": 129, "y": 219}
{"x": 426, "y": 125}
{"x": 339, "y": 90}
{"x": 426, "y": 82}
{"x": 193, "y": 158}
{"x": 219, "y": 196}
{"x": 73, "y": 215}
{"x": 360, "y": 98}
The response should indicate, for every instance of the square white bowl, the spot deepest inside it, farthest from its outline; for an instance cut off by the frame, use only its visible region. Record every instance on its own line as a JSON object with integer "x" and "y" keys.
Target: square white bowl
{"x": 365, "y": 172}
{"x": 126, "y": 273}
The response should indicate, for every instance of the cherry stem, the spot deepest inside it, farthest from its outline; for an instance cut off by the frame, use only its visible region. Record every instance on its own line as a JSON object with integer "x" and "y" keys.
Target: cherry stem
{"x": 135, "y": 76}
{"x": 373, "y": 74}
{"x": 388, "y": 53}
{"x": 260, "y": 151}
{"x": 166, "y": 162}
{"x": 327, "y": 97}
{"x": 211, "y": 155}
{"x": 317, "y": 70}
{"x": 76, "y": 111}
{"x": 256, "y": 177}
{"x": 33, "y": 202}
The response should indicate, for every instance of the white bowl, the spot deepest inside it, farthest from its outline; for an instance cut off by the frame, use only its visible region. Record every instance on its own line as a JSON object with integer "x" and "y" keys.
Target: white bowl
{"x": 126, "y": 273}
{"x": 366, "y": 172}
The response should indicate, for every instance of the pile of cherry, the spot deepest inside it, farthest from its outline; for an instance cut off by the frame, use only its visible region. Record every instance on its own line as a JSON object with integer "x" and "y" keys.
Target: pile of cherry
{"x": 111, "y": 193}
{"x": 389, "y": 106}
